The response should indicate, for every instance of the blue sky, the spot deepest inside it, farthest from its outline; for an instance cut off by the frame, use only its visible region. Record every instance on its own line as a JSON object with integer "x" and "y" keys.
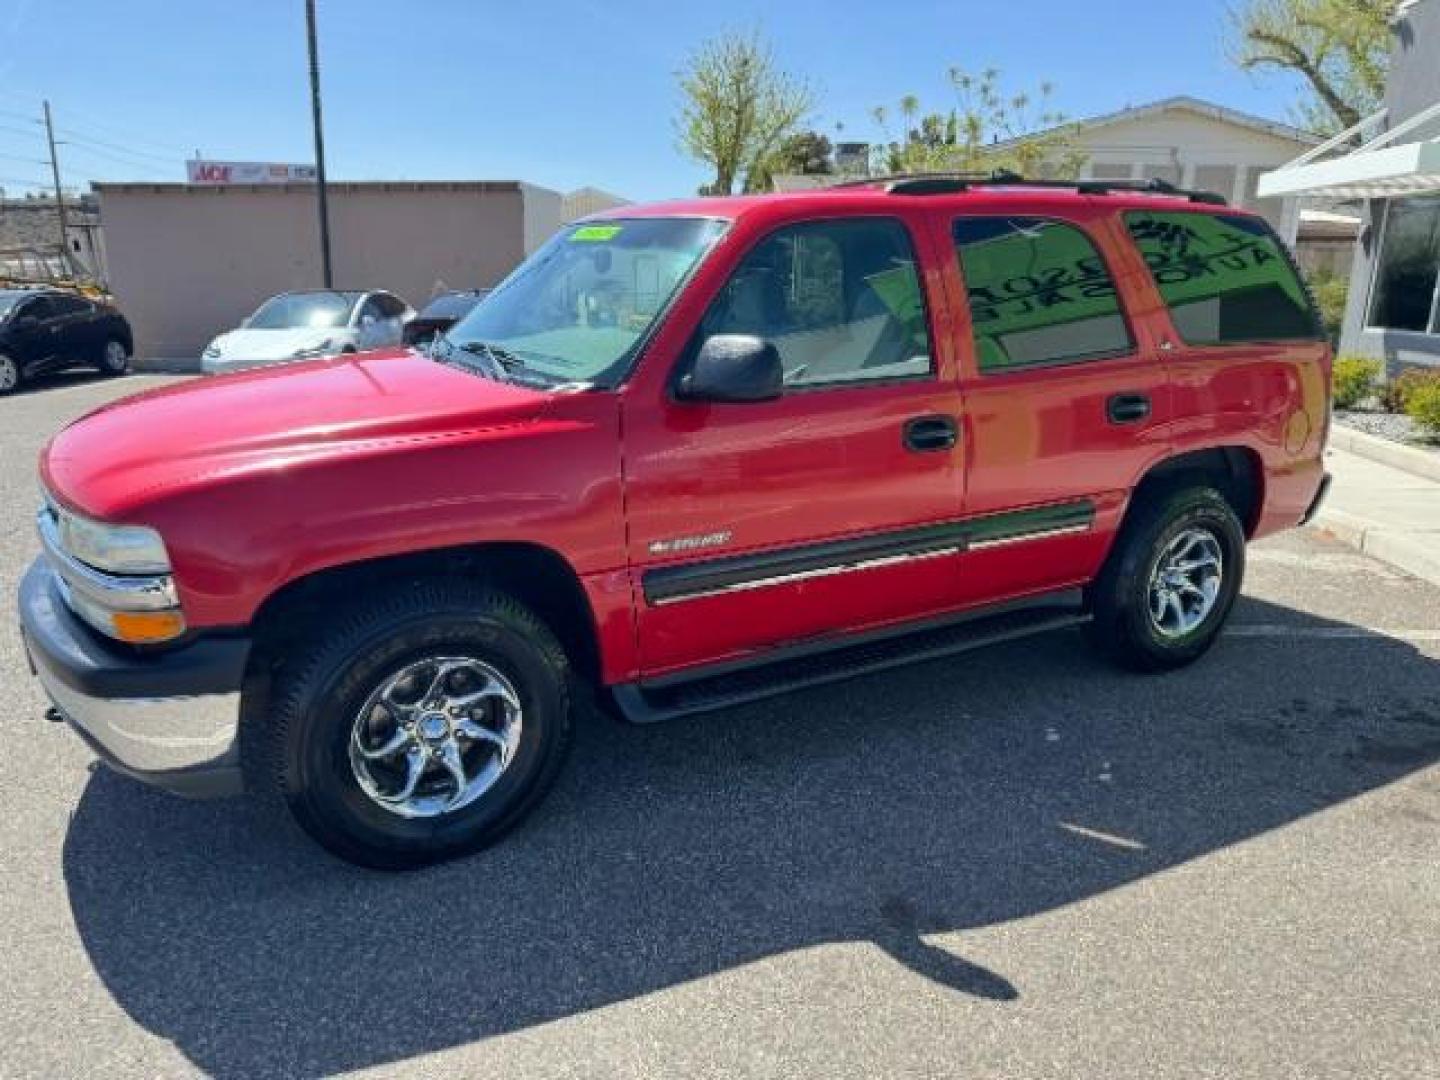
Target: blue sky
{"x": 558, "y": 92}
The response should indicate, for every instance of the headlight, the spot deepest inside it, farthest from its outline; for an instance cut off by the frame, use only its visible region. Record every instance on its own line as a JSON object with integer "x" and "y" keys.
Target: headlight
{"x": 115, "y": 577}
{"x": 212, "y": 351}
{"x": 116, "y": 549}
{"x": 323, "y": 349}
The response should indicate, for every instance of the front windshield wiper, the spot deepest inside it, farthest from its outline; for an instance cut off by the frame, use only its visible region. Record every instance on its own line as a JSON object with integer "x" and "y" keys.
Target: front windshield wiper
{"x": 497, "y": 354}
{"x": 502, "y": 364}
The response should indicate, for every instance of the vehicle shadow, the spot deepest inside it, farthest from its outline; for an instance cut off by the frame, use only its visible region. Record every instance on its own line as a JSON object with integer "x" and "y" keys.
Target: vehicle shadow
{"x": 949, "y": 795}
{"x": 56, "y": 380}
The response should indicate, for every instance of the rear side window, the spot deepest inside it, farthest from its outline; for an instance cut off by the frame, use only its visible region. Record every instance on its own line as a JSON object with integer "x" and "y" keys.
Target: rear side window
{"x": 1039, "y": 293}
{"x": 68, "y": 305}
{"x": 1225, "y": 278}
{"x": 840, "y": 301}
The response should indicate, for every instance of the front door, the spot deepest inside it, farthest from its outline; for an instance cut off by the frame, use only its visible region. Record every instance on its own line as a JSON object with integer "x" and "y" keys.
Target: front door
{"x": 33, "y": 334}
{"x": 1067, "y": 398}
{"x": 830, "y": 509}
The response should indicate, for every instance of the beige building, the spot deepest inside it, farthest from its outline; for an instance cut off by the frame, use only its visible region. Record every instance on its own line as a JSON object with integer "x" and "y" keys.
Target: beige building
{"x": 582, "y": 202}
{"x": 187, "y": 261}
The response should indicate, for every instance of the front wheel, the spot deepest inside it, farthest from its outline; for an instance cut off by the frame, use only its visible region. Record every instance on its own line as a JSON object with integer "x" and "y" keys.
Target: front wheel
{"x": 425, "y": 727}
{"x": 1169, "y": 584}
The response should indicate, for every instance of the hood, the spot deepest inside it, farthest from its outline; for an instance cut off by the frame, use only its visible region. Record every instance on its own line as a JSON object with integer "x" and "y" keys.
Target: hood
{"x": 243, "y": 345}
{"x": 127, "y": 453}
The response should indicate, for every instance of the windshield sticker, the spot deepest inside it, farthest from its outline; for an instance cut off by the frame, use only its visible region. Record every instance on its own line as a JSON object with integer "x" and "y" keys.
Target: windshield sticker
{"x": 593, "y": 234}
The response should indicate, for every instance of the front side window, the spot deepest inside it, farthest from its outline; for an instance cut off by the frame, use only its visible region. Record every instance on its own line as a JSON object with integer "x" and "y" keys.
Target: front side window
{"x": 577, "y": 308}
{"x": 391, "y": 307}
{"x": 295, "y": 311}
{"x": 372, "y": 311}
{"x": 839, "y": 300}
{"x": 1224, "y": 277}
{"x": 1039, "y": 293}
{"x": 1409, "y": 264}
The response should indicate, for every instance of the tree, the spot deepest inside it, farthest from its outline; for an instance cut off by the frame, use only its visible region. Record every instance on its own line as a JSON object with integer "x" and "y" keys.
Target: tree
{"x": 806, "y": 153}
{"x": 1339, "y": 47}
{"x": 739, "y": 107}
{"x": 984, "y": 131}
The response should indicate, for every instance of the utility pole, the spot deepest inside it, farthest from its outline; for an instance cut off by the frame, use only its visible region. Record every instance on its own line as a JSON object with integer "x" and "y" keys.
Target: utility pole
{"x": 59, "y": 197}
{"x": 319, "y": 144}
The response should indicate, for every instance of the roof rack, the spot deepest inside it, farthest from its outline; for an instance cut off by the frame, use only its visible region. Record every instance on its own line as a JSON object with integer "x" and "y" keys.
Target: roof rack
{"x": 944, "y": 183}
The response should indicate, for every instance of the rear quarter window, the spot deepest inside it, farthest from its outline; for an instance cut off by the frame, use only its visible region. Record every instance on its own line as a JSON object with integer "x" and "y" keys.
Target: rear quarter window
{"x": 1226, "y": 278}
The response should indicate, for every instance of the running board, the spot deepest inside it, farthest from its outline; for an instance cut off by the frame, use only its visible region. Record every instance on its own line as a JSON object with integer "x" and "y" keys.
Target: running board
{"x": 784, "y": 671}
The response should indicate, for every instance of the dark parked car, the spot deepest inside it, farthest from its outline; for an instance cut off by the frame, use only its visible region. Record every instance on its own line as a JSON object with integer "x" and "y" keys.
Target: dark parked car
{"x": 441, "y": 313}
{"x": 48, "y": 330}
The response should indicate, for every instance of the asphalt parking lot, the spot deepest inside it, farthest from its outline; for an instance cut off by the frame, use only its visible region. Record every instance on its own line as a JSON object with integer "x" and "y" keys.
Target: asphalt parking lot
{"x": 1017, "y": 863}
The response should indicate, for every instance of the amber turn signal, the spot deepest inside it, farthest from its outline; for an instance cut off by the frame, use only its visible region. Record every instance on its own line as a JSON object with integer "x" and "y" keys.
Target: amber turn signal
{"x": 147, "y": 627}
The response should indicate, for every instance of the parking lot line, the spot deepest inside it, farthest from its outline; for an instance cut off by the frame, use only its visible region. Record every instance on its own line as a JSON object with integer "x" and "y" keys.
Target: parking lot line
{"x": 1344, "y": 633}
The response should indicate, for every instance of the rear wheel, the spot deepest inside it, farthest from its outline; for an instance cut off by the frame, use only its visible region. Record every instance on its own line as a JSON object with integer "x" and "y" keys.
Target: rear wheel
{"x": 1169, "y": 584}
{"x": 115, "y": 357}
{"x": 10, "y": 374}
{"x": 425, "y": 727}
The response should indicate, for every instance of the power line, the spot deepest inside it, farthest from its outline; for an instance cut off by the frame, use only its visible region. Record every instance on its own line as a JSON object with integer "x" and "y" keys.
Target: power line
{"x": 143, "y": 166}
{"x": 94, "y": 121}
{"x": 77, "y": 137}
{"x": 26, "y": 160}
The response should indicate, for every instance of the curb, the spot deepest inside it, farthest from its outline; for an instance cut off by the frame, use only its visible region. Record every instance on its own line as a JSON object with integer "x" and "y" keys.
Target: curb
{"x": 1397, "y": 456}
{"x": 167, "y": 365}
{"x": 1417, "y": 555}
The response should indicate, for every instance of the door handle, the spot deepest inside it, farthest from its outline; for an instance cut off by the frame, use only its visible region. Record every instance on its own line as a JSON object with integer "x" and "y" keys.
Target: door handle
{"x": 926, "y": 434}
{"x": 1127, "y": 408}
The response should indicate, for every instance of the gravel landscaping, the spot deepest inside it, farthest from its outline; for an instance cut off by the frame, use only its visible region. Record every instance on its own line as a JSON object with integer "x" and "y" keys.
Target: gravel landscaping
{"x": 1393, "y": 426}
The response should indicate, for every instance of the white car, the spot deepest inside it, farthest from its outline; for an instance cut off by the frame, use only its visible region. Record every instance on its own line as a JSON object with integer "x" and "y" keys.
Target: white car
{"x": 307, "y": 325}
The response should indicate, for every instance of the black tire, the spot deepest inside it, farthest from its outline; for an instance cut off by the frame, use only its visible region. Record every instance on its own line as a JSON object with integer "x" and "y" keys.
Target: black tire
{"x": 12, "y": 375}
{"x": 114, "y": 357}
{"x": 300, "y": 749}
{"x": 1123, "y": 629}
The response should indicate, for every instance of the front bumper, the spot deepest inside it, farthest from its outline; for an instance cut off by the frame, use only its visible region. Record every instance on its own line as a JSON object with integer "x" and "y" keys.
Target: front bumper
{"x": 168, "y": 718}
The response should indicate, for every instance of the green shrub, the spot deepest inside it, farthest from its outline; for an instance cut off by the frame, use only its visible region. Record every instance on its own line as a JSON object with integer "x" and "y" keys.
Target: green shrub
{"x": 1424, "y": 406}
{"x": 1330, "y": 292}
{"x": 1354, "y": 380}
{"x": 1395, "y": 394}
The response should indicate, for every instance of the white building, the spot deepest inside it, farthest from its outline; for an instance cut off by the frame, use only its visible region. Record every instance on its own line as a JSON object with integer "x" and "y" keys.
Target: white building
{"x": 1389, "y": 166}
{"x": 1196, "y": 144}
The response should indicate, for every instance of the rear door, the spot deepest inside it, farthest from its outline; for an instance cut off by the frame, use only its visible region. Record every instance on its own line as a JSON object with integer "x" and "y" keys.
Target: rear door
{"x": 34, "y": 333}
{"x": 828, "y": 510}
{"x": 1244, "y": 344}
{"x": 76, "y": 333}
{"x": 1067, "y": 400}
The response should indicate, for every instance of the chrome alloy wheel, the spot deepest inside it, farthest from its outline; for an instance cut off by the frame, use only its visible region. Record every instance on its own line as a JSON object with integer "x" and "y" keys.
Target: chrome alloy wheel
{"x": 435, "y": 736}
{"x": 9, "y": 374}
{"x": 1185, "y": 582}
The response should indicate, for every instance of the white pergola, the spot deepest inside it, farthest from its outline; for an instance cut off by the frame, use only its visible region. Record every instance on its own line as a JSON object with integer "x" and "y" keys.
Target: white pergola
{"x": 1376, "y": 169}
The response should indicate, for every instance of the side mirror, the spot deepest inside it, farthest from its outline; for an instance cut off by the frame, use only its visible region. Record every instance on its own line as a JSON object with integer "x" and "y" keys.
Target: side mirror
{"x": 367, "y": 320}
{"x": 734, "y": 368}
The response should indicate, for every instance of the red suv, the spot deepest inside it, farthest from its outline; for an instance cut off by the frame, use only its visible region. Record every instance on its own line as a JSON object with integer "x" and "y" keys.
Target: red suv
{"x": 687, "y": 455}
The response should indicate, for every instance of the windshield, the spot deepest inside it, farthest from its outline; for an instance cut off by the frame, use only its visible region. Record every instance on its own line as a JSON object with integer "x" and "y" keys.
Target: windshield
{"x": 574, "y": 310}
{"x": 8, "y": 302}
{"x": 295, "y": 311}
